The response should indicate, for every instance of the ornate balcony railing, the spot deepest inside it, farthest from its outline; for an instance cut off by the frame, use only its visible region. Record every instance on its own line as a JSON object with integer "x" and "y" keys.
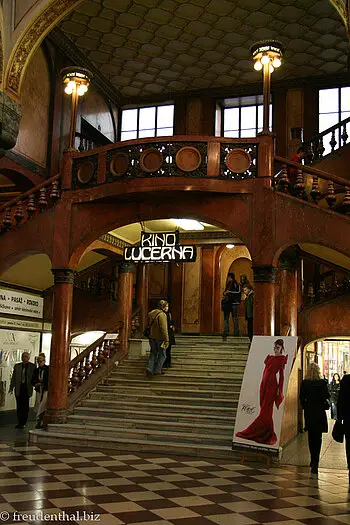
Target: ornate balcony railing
{"x": 335, "y": 136}
{"x": 318, "y": 293}
{"x": 312, "y": 185}
{"x": 30, "y": 203}
{"x": 215, "y": 157}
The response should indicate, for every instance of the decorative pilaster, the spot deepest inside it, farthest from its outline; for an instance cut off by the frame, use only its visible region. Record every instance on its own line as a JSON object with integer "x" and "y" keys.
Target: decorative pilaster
{"x": 10, "y": 117}
{"x": 264, "y": 299}
{"x": 125, "y": 290}
{"x": 288, "y": 292}
{"x": 57, "y": 402}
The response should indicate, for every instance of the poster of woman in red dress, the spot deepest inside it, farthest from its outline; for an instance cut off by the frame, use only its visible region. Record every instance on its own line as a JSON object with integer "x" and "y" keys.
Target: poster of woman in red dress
{"x": 271, "y": 395}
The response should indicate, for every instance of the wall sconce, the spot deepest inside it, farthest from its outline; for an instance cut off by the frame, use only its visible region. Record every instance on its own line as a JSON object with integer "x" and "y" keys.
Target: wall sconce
{"x": 267, "y": 56}
{"x": 76, "y": 81}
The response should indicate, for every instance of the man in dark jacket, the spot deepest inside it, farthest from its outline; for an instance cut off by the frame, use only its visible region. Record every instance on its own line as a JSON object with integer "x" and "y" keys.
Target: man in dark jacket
{"x": 249, "y": 308}
{"x": 343, "y": 413}
{"x": 158, "y": 339}
{"x": 230, "y": 304}
{"x": 21, "y": 382}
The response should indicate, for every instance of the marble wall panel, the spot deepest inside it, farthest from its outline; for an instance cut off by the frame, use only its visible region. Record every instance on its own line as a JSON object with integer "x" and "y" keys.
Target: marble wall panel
{"x": 191, "y": 295}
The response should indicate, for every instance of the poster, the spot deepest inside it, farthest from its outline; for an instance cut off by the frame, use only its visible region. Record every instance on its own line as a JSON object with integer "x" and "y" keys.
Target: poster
{"x": 263, "y": 392}
{"x": 12, "y": 344}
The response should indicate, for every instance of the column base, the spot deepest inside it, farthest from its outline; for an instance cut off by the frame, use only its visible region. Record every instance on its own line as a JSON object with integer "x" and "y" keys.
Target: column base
{"x": 55, "y": 415}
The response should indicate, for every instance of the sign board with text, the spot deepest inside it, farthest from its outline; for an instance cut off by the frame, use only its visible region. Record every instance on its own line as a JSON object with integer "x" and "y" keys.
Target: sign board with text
{"x": 17, "y": 303}
{"x": 160, "y": 247}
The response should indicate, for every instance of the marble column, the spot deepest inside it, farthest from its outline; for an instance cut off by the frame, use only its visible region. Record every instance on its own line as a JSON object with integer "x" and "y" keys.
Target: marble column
{"x": 264, "y": 299}
{"x": 142, "y": 293}
{"x": 288, "y": 293}
{"x": 125, "y": 289}
{"x": 57, "y": 402}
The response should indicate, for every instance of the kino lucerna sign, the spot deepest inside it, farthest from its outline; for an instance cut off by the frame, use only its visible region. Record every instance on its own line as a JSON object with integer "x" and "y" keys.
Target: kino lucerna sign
{"x": 160, "y": 247}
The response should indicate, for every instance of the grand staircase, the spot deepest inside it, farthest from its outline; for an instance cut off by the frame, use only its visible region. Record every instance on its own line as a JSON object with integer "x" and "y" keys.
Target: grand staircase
{"x": 190, "y": 410}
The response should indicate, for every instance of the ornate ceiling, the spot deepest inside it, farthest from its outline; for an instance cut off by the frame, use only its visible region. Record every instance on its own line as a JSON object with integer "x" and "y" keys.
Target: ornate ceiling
{"x": 156, "y": 47}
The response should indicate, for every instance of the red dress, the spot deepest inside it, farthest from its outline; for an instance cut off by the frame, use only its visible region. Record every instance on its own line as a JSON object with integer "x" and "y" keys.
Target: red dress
{"x": 271, "y": 391}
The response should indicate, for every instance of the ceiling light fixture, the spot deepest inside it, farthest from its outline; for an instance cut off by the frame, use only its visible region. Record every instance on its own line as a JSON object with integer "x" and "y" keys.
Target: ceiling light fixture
{"x": 188, "y": 224}
{"x": 230, "y": 246}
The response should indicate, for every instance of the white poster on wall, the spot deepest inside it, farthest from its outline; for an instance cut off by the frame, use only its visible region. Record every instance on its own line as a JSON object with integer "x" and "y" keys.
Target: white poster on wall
{"x": 17, "y": 303}
{"x": 262, "y": 398}
{"x": 12, "y": 344}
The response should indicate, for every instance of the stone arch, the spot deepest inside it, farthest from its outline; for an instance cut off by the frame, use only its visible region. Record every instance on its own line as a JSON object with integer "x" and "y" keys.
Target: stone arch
{"x": 30, "y": 40}
{"x": 104, "y": 218}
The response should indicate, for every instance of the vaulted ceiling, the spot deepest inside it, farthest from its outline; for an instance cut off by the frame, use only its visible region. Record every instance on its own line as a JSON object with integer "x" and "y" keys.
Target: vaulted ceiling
{"x": 156, "y": 47}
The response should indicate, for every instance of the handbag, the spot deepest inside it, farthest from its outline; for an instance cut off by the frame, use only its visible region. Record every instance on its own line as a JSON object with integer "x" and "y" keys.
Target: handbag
{"x": 338, "y": 431}
{"x": 147, "y": 330}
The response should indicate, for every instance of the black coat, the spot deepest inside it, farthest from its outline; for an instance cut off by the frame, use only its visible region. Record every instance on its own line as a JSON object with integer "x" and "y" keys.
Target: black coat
{"x": 45, "y": 381}
{"x": 343, "y": 412}
{"x": 313, "y": 397}
{"x": 171, "y": 328}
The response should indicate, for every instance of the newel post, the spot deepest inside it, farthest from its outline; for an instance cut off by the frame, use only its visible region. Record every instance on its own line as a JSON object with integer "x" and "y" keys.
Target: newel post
{"x": 265, "y": 158}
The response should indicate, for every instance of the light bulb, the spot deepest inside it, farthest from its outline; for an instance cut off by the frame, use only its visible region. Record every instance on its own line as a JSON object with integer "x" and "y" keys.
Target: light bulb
{"x": 230, "y": 246}
{"x": 276, "y": 62}
{"x": 258, "y": 65}
{"x": 82, "y": 89}
{"x": 68, "y": 90}
{"x": 272, "y": 69}
{"x": 265, "y": 59}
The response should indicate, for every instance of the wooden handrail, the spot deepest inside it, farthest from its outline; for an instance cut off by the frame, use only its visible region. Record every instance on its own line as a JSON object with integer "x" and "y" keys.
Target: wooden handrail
{"x": 26, "y": 194}
{"x": 329, "y": 130}
{"x": 314, "y": 171}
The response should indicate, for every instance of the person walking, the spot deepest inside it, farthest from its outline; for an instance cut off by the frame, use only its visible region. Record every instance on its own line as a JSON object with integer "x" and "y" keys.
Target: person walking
{"x": 314, "y": 396}
{"x": 249, "y": 308}
{"x": 334, "y": 387}
{"x": 21, "y": 383}
{"x": 230, "y": 304}
{"x": 40, "y": 382}
{"x": 343, "y": 413}
{"x": 171, "y": 329}
{"x": 158, "y": 339}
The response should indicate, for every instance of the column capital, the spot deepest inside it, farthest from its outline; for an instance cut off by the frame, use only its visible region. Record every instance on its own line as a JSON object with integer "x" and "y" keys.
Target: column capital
{"x": 264, "y": 274}
{"x": 63, "y": 275}
{"x": 125, "y": 267}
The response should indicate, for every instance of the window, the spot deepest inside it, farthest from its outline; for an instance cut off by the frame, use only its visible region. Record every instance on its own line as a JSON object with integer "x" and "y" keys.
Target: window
{"x": 334, "y": 106}
{"x": 152, "y": 121}
{"x": 243, "y": 116}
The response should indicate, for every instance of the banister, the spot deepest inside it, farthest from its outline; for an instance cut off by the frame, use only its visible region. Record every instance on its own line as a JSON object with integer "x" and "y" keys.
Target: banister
{"x": 286, "y": 330}
{"x": 26, "y": 194}
{"x": 86, "y": 352}
{"x": 329, "y": 130}
{"x": 314, "y": 171}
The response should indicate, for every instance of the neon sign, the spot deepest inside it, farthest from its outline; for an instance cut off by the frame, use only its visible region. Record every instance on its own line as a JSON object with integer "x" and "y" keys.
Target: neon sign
{"x": 160, "y": 247}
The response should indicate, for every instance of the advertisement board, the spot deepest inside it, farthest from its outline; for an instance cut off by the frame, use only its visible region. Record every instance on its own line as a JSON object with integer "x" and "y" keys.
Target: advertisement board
{"x": 263, "y": 392}
{"x": 18, "y": 303}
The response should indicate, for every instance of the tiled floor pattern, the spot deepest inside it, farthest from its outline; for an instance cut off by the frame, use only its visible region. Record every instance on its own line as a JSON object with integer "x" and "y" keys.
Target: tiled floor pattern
{"x": 146, "y": 489}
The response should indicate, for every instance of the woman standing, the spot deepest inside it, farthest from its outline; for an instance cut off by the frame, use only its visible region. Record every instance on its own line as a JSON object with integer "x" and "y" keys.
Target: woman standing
{"x": 271, "y": 393}
{"x": 314, "y": 397}
{"x": 40, "y": 381}
{"x": 334, "y": 388}
{"x": 343, "y": 413}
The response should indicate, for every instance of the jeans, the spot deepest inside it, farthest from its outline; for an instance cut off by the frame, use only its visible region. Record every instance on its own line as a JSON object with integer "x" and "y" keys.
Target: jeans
{"x": 234, "y": 311}
{"x": 22, "y": 405}
{"x": 157, "y": 356}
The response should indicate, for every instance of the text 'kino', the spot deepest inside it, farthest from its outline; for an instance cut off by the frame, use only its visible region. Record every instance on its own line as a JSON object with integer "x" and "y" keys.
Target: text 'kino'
{"x": 160, "y": 247}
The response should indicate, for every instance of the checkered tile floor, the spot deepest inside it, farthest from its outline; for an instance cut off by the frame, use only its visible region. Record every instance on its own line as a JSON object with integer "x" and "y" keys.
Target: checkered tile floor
{"x": 127, "y": 488}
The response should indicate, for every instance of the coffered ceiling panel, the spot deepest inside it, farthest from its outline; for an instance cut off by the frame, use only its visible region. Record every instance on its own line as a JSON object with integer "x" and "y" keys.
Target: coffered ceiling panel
{"x": 148, "y": 47}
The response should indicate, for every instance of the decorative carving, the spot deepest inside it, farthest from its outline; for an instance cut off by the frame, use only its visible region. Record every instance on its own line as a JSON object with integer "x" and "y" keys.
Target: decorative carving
{"x": 188, "y": 158}
{"x": 30, "y": 40}
{"x": 264, "y": 274}
{"x": 63, "y": 275}
{"x": 283, "y": 181}
{"x": 10, "y": 116}
{"x": 125, "y": 267}
{"x": 228, "y": 160}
